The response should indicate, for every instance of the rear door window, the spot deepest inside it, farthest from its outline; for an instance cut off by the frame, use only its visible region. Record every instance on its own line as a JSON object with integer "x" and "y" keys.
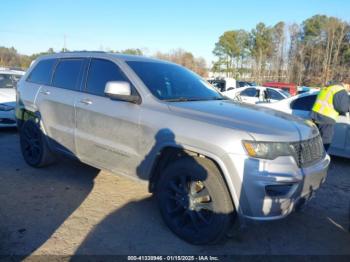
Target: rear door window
{"x": 251, "y": 92}
{"x": 102, "y": 71}
{"x": 273, "y": 94}
{"x": 42, "y": 72}
{"x": 304, "y": 103}
{"x": 68, "y": 73}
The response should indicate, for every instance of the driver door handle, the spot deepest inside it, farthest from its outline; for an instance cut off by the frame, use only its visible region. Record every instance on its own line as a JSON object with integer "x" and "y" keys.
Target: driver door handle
{"x": 44, "y": 92}
{"x": 86, "y": 101}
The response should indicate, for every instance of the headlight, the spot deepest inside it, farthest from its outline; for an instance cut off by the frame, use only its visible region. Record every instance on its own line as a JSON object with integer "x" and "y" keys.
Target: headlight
{"x": 4, "y": 107}
{"x": 267, "y": 150}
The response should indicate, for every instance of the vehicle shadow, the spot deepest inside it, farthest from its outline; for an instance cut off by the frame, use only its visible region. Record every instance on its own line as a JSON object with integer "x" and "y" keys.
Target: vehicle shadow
{"x": 36, "y": 202}
{"x": 133, "y": 229}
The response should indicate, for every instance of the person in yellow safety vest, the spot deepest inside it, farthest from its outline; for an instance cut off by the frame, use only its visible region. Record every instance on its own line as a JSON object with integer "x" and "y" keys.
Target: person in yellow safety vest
{"x": 331, "y": 101}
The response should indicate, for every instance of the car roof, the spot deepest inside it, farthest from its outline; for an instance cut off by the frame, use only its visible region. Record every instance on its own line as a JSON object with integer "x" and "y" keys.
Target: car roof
{"x": 100, "y": 54}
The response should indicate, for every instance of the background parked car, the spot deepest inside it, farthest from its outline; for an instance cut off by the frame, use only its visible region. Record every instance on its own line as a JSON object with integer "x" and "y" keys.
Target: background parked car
{"x": 8, "y": 82}
{"x": 257, "y": 94}
{"x": 291, "y": 88}
{"x": 301, "y": 106}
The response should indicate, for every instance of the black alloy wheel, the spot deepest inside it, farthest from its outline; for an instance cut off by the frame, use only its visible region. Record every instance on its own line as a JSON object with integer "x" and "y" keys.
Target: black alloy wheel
{"x": 194, "y": 200}
{"x": 34, "y": 147}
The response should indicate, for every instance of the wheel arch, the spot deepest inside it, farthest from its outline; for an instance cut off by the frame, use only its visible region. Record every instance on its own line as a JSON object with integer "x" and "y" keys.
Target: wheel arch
{"x": 170, "y": 153}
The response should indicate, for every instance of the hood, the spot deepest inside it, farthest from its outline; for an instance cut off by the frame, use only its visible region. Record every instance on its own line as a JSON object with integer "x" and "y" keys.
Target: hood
{"x": 262, "y": 123}
{"x": 7, "y": 95}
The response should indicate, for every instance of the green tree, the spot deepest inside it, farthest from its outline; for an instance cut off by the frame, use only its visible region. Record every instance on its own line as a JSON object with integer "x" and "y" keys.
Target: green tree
{"x": 261, "y": 48}
{"x": 323, "y": 39}
{"x": 278, "y": 39}
{"x": 243, "y": 43}
{"x": 227, "y": 49}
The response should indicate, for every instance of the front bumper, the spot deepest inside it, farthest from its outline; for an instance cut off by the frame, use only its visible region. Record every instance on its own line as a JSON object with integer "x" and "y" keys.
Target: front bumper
{"x": 7, "y": 118}
{"x": 272, "y": 189}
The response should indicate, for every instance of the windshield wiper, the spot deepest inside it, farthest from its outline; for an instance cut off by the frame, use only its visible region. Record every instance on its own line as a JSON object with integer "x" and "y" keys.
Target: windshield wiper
{"x": 185, "y": 99}
{"x": 182, "y": 99}
{"x": 218, "y": 98}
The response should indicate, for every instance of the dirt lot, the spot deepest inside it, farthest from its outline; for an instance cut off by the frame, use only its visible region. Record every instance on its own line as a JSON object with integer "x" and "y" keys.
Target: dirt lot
{"x": 71, "y": 208}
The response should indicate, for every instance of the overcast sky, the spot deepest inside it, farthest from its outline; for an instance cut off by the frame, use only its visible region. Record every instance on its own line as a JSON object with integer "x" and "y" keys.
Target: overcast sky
{"x": 35, "y": 25}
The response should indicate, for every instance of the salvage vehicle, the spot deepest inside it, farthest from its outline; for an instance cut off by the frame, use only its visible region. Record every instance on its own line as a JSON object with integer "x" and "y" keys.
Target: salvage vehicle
{"x": 208, "y": 160}
{"x": 8, "y": 81}
{"x": 301, "y": 106}
{"x": 256, "y": 94}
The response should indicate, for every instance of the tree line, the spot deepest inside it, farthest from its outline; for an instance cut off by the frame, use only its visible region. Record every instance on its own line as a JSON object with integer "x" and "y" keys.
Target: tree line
{"x": 311, "y": 53}
{"x": 9, "y": 57}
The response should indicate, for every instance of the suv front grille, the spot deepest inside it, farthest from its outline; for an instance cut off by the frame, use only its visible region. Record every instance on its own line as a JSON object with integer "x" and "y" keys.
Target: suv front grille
{"x": 308, "y": 152}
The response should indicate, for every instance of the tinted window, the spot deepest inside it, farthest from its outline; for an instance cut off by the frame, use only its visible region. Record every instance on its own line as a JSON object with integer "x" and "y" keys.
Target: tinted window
{"x": 8, "y": 81}
{"x": 241, "y": 84}
{"x": 251, "y": 92}
{"x": 172, "y": 82}
{"x": 273, "y": 94}
{"x": 304, "y": 103}
{"x": 41, "y": 74}
{"x": 100, "y": 72}
{"x": 68, "y": 74}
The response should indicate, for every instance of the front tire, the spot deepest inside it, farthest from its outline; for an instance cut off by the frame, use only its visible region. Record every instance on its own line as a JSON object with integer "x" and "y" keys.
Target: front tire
{"x": 194, "y": 200}
{"x": 34, "y": 146}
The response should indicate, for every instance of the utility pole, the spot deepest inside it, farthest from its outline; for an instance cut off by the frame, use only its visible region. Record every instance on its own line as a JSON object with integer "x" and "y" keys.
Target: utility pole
{"x": 64, "y": 43}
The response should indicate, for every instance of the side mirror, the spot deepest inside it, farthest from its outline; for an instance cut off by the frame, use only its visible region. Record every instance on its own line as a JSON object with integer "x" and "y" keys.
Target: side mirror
{"x": 121, "y": 90}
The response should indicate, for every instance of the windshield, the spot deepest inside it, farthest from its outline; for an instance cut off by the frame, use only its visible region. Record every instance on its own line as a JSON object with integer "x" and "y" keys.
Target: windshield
{"x": 8, "y": 81}
{"x": 173, "y": 83}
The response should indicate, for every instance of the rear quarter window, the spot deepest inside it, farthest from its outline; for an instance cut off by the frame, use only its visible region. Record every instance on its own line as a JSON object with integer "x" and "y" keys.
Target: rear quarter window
{"x": 42, "y": 72}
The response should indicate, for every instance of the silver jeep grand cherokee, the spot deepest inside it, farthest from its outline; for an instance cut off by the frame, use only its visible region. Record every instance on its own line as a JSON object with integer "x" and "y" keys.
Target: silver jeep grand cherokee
{"x": 208, "y": 160}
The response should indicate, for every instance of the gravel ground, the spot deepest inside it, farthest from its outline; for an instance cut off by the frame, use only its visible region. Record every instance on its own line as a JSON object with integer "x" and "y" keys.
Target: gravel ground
{"x": 71, "y": 208}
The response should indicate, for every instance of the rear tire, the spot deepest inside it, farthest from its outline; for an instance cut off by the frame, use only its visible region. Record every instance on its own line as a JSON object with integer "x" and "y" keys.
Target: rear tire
{"x": 194, "y": 200}
{"x": 34, "y": 147}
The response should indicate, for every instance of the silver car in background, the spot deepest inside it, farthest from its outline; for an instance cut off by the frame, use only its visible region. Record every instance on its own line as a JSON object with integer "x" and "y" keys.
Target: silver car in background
{"x": 208, "y": 159}
{"x": 8, "y": 82}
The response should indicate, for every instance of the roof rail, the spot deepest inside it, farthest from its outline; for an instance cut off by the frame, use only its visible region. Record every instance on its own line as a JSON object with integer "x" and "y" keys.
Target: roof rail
{"x": 83, "y": 51}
